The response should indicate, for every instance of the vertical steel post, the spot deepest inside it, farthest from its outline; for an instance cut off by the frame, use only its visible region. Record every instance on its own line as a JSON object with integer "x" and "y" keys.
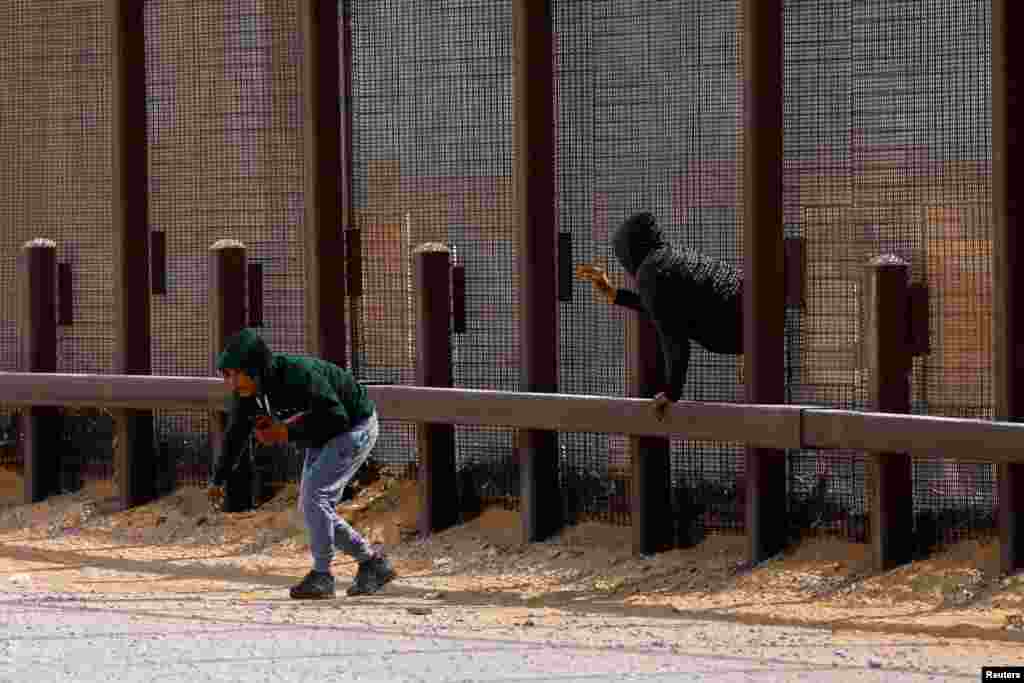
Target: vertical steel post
{"x": 135, "y": 453}
{"x": 764, "y": 286}
{"x": 1008, "y": 260}
{"x": 534, "y": 126}
{"x": 325, "y": 244}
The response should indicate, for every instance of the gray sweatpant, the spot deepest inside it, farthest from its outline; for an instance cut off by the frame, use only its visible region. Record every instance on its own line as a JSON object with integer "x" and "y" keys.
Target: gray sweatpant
{"x": 325, "y": 473}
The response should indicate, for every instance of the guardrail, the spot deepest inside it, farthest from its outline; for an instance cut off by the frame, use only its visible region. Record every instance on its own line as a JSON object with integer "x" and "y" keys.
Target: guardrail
{"x": 787, "y": 426}
{"x": 888, "y": 434}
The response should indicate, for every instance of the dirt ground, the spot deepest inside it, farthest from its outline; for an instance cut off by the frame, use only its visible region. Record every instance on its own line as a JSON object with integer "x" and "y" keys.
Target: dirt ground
{"x": 178, "y": 544}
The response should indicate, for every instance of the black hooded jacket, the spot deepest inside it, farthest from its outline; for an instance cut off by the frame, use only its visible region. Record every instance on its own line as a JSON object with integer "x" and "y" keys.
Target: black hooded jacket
{"x": 329, "y": 398}
{"x": 688, "y": 295}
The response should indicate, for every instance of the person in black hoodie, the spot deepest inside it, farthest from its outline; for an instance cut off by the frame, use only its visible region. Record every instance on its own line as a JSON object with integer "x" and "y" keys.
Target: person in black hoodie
{"x": 687, "y": 294}
{"x": 313, "y": 402}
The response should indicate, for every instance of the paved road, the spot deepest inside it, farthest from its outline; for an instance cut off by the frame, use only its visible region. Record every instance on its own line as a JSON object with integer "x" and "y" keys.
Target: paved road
{"x": 66, "y": 638}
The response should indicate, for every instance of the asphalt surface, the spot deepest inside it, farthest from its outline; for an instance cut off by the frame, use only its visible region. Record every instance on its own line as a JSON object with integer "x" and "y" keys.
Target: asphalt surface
{"x": 69, "y": 638}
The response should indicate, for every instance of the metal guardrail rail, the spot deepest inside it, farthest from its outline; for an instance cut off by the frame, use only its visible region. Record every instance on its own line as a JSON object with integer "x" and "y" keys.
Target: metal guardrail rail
{"x": 767, "y": 426}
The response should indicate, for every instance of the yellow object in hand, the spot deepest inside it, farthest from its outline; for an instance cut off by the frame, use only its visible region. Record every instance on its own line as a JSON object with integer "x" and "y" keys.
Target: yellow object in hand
{"x": 599, "y": 278}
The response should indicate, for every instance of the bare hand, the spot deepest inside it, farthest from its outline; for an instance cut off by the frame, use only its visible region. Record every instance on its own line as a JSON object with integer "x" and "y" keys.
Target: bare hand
{"x": 599, "y": 278}
{"x": 661, "y": 403}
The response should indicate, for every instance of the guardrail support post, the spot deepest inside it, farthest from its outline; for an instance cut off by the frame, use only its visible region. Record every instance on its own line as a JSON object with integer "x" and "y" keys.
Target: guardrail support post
{"x": 887, "y": 298}
{"x": 438, "y": 497}
{"x": 37, "y": 336}
{"x": 228, "y": 278}
{"x": 649, "y": 456}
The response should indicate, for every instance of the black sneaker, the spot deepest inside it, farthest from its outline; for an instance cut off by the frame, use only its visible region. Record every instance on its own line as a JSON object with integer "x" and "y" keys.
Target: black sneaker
{"x": 315, "y": 586}
{"x": 372, "y": 576}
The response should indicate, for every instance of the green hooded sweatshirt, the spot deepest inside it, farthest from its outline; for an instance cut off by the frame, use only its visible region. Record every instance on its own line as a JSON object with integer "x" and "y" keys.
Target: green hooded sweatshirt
{"x": 329, "y": 398}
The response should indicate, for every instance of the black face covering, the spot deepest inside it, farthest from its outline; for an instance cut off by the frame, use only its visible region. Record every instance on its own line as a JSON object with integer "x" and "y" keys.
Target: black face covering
{"x": 637, "y": 237}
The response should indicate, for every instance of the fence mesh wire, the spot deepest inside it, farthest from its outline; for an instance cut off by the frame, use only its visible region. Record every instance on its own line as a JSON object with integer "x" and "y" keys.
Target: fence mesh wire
{"x": 433, "y": 162}
{"x": 225, "y": 161}
{"x": 887, "y": 150}
{"x": 648, "y": 106}
{"x": 55, "y": 136}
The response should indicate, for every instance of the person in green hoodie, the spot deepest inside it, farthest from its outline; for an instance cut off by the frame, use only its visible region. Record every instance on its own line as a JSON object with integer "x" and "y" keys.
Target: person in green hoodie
{"x": 291, "y": 398}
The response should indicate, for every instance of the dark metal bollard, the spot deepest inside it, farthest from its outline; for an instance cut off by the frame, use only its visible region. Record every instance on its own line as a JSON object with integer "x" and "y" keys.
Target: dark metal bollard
{"x": 228, "y": 279}
{"x": 1007, "y": 256}
{"x": 134, "y": 450}
{"x": 764, "y": 291}
{"x": 534, "y": 118}
{"x": 886, "y": 308}
{"x": 37, "y": 337}
{"x": 328, "y": 177}
{"x": 435, "y": 442}
{"x": 653, "y": 526}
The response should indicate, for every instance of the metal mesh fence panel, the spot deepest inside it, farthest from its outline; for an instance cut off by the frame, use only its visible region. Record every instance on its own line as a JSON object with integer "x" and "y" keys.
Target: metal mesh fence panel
{"x": 829, "y": 495}
{"x": 84, "y": 456}
{"x": 56, "y": 180}
{"x": 56, "y": 177}
{"x": 887, "y": 150}
{"x": 648, "y": 105}
{"x": 225, "y": 161}
{"x": 433, "y": 162}
{"x": 87, "y": 452}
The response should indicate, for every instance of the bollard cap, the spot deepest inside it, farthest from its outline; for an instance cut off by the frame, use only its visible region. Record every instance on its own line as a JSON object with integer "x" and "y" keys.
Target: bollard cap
{"x": 428, "y": 247}
{"x": 887, "y": 261}
{"x": 40, "y": 243}
{"x": 227, "y": 244}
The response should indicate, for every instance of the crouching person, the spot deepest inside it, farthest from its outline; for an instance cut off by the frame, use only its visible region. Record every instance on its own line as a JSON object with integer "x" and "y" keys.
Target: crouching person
{"x": 291, "y": 398}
